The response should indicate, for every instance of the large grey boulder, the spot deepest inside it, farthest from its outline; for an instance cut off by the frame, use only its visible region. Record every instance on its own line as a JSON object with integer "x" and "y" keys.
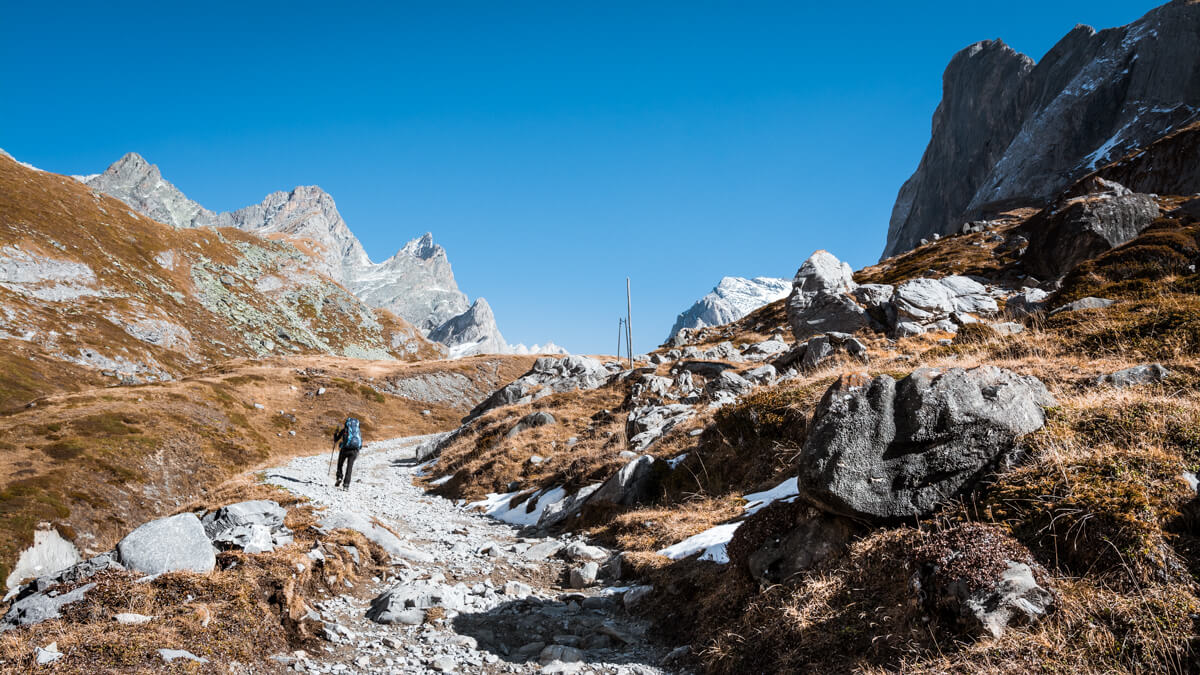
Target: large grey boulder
{"x": 928, "y": 301}
{"x": 533, "y": 420}
{"x": 886, "y": 451}
{"x": 253, "y": 526}
{"x": 1026, "y": 301}
{"x": 820, "y": 300}
{"x": 1080, "y": 228}
{"x": 39, "y": 607}
{"x": 727, "y": 388}
{"x": 174, "y": 544}
{"x": 646, "y": 424}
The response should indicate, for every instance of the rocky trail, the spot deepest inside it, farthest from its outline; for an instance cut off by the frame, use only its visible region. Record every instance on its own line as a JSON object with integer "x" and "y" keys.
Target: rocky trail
{"x": 466, "y": 593}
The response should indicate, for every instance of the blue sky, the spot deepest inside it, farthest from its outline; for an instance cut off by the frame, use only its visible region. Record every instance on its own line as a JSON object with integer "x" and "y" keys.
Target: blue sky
{"x": 552, "y": 148}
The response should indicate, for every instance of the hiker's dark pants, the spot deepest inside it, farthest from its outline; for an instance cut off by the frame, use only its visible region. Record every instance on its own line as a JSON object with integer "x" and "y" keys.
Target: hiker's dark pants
{"x": 347, "y": 457}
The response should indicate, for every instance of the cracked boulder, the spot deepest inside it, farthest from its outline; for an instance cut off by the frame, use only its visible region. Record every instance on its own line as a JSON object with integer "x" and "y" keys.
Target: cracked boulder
{"x": 886, "y": 451}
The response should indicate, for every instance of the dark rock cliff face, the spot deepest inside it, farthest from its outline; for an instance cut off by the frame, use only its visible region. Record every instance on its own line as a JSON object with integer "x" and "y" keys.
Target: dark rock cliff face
{"x": 1011, "y": 133}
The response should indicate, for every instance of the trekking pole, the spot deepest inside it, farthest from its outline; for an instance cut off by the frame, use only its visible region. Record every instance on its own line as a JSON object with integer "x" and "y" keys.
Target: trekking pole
{"x": 332, "y": 454}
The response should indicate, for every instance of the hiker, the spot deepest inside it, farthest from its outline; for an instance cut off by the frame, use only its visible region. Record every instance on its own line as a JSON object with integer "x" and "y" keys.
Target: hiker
{"x": 350, "y": 441}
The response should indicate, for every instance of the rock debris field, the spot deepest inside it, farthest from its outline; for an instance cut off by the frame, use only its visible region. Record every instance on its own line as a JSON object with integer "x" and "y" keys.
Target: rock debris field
{"x": 467, "y": 593}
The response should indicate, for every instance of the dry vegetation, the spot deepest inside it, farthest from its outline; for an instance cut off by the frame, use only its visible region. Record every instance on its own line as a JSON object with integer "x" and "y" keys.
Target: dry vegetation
{"x": 1099, "y": 500}
{"x": 250, "y": 607}
{"x": 100, "y": 462}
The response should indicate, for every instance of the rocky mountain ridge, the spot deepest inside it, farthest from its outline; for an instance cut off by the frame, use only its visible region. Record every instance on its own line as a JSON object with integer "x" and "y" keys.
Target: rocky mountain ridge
{"x": 1010, "y": 132}
{"x": 417, "y": 283}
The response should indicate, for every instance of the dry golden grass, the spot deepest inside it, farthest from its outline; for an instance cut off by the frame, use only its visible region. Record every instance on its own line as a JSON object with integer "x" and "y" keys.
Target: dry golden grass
{"x": 250, "y": 607}
{"x": 100, "y": 462}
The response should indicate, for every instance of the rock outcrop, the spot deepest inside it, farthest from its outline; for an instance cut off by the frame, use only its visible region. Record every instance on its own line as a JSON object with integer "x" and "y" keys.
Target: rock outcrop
{"x": 732, "y": 299}
{"x": 1010, "y": 132}
{"x": 472, "y": 332}
{"x": 826, "y": 300}
{"x": 549, "y": 375}
{"x": 884, "y": 451}
{"x": 982, "y": 579}
{"x": 1080, "y": 227}
{"x": 820, "y": 300}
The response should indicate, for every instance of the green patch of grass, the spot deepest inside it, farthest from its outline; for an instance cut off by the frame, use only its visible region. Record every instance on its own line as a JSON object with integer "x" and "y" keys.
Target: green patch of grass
{"x": 66, "y": 450}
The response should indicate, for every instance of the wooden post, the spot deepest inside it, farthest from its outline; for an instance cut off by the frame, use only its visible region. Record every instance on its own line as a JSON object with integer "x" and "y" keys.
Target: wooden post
{"x": 629, "y": 322}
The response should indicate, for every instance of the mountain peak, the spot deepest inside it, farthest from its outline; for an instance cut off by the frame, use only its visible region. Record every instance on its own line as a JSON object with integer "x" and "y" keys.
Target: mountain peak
{"x": 422, "y": 247}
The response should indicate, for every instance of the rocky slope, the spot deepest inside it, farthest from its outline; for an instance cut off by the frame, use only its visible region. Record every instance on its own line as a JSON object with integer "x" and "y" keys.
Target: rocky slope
{"x": 1010, "y": 132}
{"x": 91, "y": 291}
{"x": 733, "y": 298}
{"x": 416, "y": 284}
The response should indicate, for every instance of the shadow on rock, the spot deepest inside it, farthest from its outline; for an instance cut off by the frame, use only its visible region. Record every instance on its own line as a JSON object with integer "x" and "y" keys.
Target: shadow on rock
{"x": 574, "y": 629}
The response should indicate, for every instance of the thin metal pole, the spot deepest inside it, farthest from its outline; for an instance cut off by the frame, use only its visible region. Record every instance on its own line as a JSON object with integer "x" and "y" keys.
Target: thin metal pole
{"x": 629, "y": 321}
{"x": 620, "y": 335}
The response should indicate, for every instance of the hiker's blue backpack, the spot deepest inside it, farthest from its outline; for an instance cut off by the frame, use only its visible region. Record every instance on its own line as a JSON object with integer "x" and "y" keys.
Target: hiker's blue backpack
{"x": 353, "y": 439}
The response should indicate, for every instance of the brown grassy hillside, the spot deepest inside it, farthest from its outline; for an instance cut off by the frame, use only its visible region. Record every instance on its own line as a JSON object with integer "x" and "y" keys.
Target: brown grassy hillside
{"x": 91, "y": 292}
{"x": 96, "y": 463}
{"x": 1099, "y": 499}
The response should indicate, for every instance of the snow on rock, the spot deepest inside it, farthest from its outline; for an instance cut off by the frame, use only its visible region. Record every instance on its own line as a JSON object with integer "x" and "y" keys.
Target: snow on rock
{"x": 732, "y": 299}
{"x": 525, "y": 513}
{"x": 711, "y": 544}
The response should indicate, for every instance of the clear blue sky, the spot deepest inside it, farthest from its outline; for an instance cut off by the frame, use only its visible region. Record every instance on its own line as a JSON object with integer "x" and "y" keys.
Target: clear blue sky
{"x": 552, "y": 149}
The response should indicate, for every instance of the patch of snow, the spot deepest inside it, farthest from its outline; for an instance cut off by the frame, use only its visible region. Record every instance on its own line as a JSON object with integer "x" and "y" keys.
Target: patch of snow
{"x": 676, "y": 461}
{"x": 757, "y": 501}
{"x": 443, "y": 480}
{"x": 713, "y": 542}
{"x": 524, "y": 513}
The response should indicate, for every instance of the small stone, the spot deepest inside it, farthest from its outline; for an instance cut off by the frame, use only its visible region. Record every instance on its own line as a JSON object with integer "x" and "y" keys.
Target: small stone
{"x": 170, "y": 655}
{"x": 517, "y": 589}
{"x": 585, "y": 575}
{"x": 130, "y": 619}
{"x": 321, "y": 391}
{"x": 561, "y": 653}
{"x": 443, "y": 664}
{"x": 47, "y": 654}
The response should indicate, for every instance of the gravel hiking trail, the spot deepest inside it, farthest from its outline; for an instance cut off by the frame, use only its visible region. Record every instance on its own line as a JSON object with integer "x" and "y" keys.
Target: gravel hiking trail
{"x": 501, "y": 602}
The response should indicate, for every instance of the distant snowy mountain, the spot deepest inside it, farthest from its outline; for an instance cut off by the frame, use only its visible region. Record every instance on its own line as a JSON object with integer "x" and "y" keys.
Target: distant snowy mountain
{"x": 732, "y": 299}
{"x": 417, "y": 283}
